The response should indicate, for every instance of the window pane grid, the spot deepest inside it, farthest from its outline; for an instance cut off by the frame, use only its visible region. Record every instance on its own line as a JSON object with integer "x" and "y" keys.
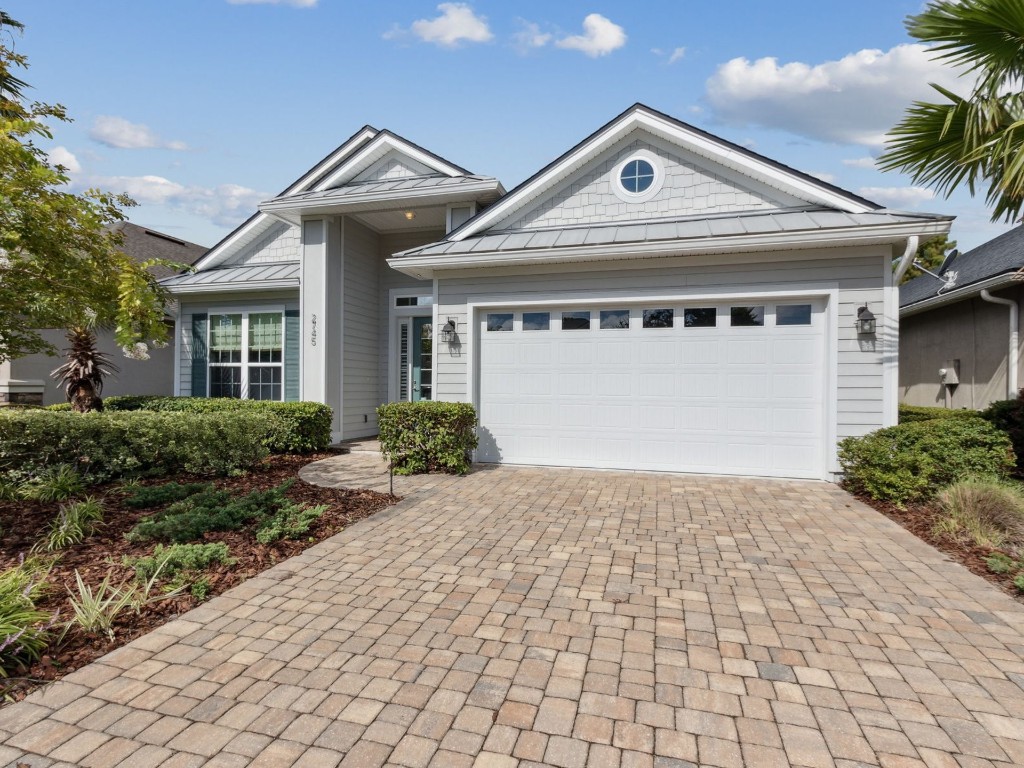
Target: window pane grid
{"x": 257, "y": 338}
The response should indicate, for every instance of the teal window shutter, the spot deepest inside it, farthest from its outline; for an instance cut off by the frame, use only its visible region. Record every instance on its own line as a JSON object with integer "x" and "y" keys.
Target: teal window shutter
{"x": 199, "y": 354}
{"x": 291, "y": 355}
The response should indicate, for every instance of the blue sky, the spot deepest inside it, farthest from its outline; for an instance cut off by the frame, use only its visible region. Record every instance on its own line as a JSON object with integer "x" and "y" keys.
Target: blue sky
{"x": 201, "y": 108}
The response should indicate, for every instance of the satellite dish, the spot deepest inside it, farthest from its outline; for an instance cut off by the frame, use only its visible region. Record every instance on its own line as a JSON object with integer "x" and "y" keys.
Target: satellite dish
{"x": 948, "y": 260}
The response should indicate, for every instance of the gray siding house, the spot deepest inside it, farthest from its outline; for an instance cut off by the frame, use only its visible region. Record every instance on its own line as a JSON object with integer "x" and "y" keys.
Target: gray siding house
{"x": 27, "y": 379}
{"x": 655, "y": 298}
{"x": 960, "y": 327}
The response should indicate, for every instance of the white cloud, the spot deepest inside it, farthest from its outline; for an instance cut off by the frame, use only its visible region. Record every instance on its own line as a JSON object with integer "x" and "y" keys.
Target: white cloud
{"x": 296, "y": 3}
{"x": 600, "y": 37}
{"x": 676, "y": 55}
{"x": 62, "y": 156}
{"x": 897, "y": 197}
{"x": 860, "y": 162}
{"x": 853, "y": 100}
{"x": 829, "y": 178}
{"x": 529, "y": 36}
{"x": 122, "y": 134}
{"x": 224, "y": 205}
{"x": 456, "y": 24}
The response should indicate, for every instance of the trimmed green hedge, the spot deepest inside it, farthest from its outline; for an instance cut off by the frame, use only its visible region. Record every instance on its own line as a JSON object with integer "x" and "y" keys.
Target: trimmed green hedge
{"x": 108, "y": 445}
{"x": 427, "y": 436}
{"x": 307, "y": 426}
{"x": 911, "y": 462}
{"x": 912, "y": 413}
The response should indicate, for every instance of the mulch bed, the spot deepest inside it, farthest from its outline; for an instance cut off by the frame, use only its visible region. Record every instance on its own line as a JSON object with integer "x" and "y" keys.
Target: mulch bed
{"x": 24, "y": 522}
{"x": 920, "y": 520}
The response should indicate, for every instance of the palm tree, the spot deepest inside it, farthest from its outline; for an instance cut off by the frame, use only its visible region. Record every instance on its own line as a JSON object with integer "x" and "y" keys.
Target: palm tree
{"x": 978, "y": 139}
{"x": 82, "y": 373}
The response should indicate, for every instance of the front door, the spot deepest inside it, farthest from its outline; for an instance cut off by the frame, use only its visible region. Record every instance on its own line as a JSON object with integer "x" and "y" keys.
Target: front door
{"x": 422, "y": 359}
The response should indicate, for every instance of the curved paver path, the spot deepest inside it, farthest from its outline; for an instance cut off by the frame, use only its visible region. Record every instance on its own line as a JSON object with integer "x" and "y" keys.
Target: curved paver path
{"x": 568, "y": 618}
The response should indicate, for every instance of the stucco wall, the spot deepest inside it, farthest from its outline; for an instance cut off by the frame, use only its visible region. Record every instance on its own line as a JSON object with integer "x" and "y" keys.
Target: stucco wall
{"x": 136, "y": 377}
{"x": 974, "y": 331}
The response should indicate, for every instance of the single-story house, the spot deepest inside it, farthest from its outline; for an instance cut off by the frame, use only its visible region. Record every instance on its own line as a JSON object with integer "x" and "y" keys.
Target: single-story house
{"x": 27, "y": 380}
{"x": 655, "y": 298}
{"x": 960, "y": 327}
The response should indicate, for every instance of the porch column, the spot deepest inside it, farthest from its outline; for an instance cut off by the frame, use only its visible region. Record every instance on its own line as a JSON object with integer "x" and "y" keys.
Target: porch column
{"x": 321, "y": 315}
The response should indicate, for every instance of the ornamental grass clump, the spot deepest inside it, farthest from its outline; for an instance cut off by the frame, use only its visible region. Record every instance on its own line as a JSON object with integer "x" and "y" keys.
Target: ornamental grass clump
{"x": 987, "y": 512}
{"x": 25, "y": 630}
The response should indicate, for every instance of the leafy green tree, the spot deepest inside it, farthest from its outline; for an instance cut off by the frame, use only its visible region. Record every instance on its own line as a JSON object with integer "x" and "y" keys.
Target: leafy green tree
{"x": 977, "y": 140}
{"x": 60, "y": 265}
{"x": 930, "y": 254}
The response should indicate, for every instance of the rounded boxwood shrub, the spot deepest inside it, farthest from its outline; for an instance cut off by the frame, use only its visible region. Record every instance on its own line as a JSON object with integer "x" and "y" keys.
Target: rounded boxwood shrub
{"x": 911, "y": 462}
{"x": 427, "y": 436}
{"x": 1008, "y": 415}
{"x": 106, "y": 445}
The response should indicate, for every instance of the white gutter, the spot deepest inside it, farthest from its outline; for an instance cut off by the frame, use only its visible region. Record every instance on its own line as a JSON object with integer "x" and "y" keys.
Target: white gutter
{"x": 1012, "y": 351}
{"x": 958, "y": 294}
{"x": 906, "y": 259}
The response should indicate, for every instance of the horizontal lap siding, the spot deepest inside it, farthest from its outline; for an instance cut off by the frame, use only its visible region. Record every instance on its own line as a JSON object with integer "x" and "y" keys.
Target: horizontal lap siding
{"x": 858, "y": 273}
{"x": 361, "y": 321}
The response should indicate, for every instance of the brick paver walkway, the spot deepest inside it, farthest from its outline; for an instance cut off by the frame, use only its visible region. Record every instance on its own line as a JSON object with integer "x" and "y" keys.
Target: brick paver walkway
{"x": 567, "y": 618}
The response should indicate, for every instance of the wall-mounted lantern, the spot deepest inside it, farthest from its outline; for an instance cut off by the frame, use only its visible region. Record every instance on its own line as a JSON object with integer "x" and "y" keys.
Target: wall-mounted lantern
{"x": 865, "y": 321}
{"x": 448, "y": 330}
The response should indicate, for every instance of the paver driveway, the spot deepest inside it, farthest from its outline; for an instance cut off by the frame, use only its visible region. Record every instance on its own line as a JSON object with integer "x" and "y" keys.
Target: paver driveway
{"x": 568, "y": 618}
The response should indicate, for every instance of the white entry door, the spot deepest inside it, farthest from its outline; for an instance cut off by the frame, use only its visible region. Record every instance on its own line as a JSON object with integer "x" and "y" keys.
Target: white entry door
{"x": 715, "y": 387}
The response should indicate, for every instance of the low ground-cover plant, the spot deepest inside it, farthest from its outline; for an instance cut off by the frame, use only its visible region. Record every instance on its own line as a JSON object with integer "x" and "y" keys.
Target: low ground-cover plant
{"x": 25, "y": 630}
{"x": 72, "y": 524}
{"x": 182, "y": 565}
{"x": 145, "y": 497}
{"x": 989, "y": 513}
{"x": 290, "y": 521}
{"x": 910, "y": 462}
{"x": 102, "y": 446}
{"x": 306, "y": 426}
{"x": 427, "y": 436}
{"x": 210, "y": 510}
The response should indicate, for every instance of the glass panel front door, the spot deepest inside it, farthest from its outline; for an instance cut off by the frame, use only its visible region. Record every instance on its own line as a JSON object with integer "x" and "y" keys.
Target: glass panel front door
{"x": 422, "y": 359}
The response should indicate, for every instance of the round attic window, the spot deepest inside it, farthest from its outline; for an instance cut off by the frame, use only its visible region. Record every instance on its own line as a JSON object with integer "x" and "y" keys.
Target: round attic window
{"x": 638, "y": 177}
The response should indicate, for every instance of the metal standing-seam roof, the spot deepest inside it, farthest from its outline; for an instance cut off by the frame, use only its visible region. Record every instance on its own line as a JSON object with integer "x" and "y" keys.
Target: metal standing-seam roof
{"x": 383, "y": 188}
{"x": 687, "y": 228}
{"x": 998, "y": 256}
{"x": 282, "y": 275}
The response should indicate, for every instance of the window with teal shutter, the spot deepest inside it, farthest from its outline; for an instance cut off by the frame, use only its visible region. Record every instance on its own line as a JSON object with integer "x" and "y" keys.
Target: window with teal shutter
{"x": 199, "y": 324}
{"x": 291, "y": 355}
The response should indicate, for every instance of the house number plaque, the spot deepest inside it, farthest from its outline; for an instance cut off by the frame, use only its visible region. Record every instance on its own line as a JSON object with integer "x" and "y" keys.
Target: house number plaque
{"x": 312, "y": 331}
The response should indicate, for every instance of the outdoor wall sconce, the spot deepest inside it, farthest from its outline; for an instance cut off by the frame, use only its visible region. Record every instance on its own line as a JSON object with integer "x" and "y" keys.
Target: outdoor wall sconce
{"x": 865, "y": 321}
{"x": 448, "y": 330}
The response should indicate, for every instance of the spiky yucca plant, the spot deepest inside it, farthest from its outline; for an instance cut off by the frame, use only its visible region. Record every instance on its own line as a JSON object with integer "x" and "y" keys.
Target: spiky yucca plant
{"x": 83, "y": 371}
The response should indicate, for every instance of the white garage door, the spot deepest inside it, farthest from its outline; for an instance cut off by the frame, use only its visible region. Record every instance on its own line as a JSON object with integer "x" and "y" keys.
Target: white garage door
{"x": 730, "y": 388}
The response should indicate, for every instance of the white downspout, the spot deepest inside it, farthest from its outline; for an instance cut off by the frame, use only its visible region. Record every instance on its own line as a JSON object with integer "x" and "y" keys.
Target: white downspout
{"x": 1012, "y": 352}
{"x": 906, "y": 259}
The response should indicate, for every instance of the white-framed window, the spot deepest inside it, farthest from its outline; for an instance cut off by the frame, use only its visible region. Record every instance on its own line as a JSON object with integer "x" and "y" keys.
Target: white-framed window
{"x": 247, "y": 355}
{"x": 638, "y": 177}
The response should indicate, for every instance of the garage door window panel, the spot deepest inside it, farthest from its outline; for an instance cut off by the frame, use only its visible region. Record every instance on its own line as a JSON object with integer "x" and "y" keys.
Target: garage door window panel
{"x": 576, "y": 321}
{"x": 658, "y": 318}
{"x": 747, "y": 316}
{"x": 700, "y": 317}
{"x": 536, "y": 321}
{"x": 793, "y": 314}
{"x": 614, "y": 319}
{"x": 500, "y": 322}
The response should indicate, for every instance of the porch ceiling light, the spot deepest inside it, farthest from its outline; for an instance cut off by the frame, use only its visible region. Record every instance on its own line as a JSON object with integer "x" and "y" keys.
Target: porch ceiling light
{"x": 865, "y": 321}
{"x": 448, "y": 330}
{"x": 410, "y": 215}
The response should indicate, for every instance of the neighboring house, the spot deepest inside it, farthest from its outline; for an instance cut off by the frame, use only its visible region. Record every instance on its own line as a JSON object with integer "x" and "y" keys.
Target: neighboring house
{"x": 27, "y": 379}
{"x": 960, "y": 327}
{"x": 656, "y": 298}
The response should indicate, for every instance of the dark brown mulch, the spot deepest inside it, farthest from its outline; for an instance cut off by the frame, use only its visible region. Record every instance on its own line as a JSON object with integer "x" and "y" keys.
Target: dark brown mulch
{"x": 24, "y": 523}
{"x": 920, "y": 520}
